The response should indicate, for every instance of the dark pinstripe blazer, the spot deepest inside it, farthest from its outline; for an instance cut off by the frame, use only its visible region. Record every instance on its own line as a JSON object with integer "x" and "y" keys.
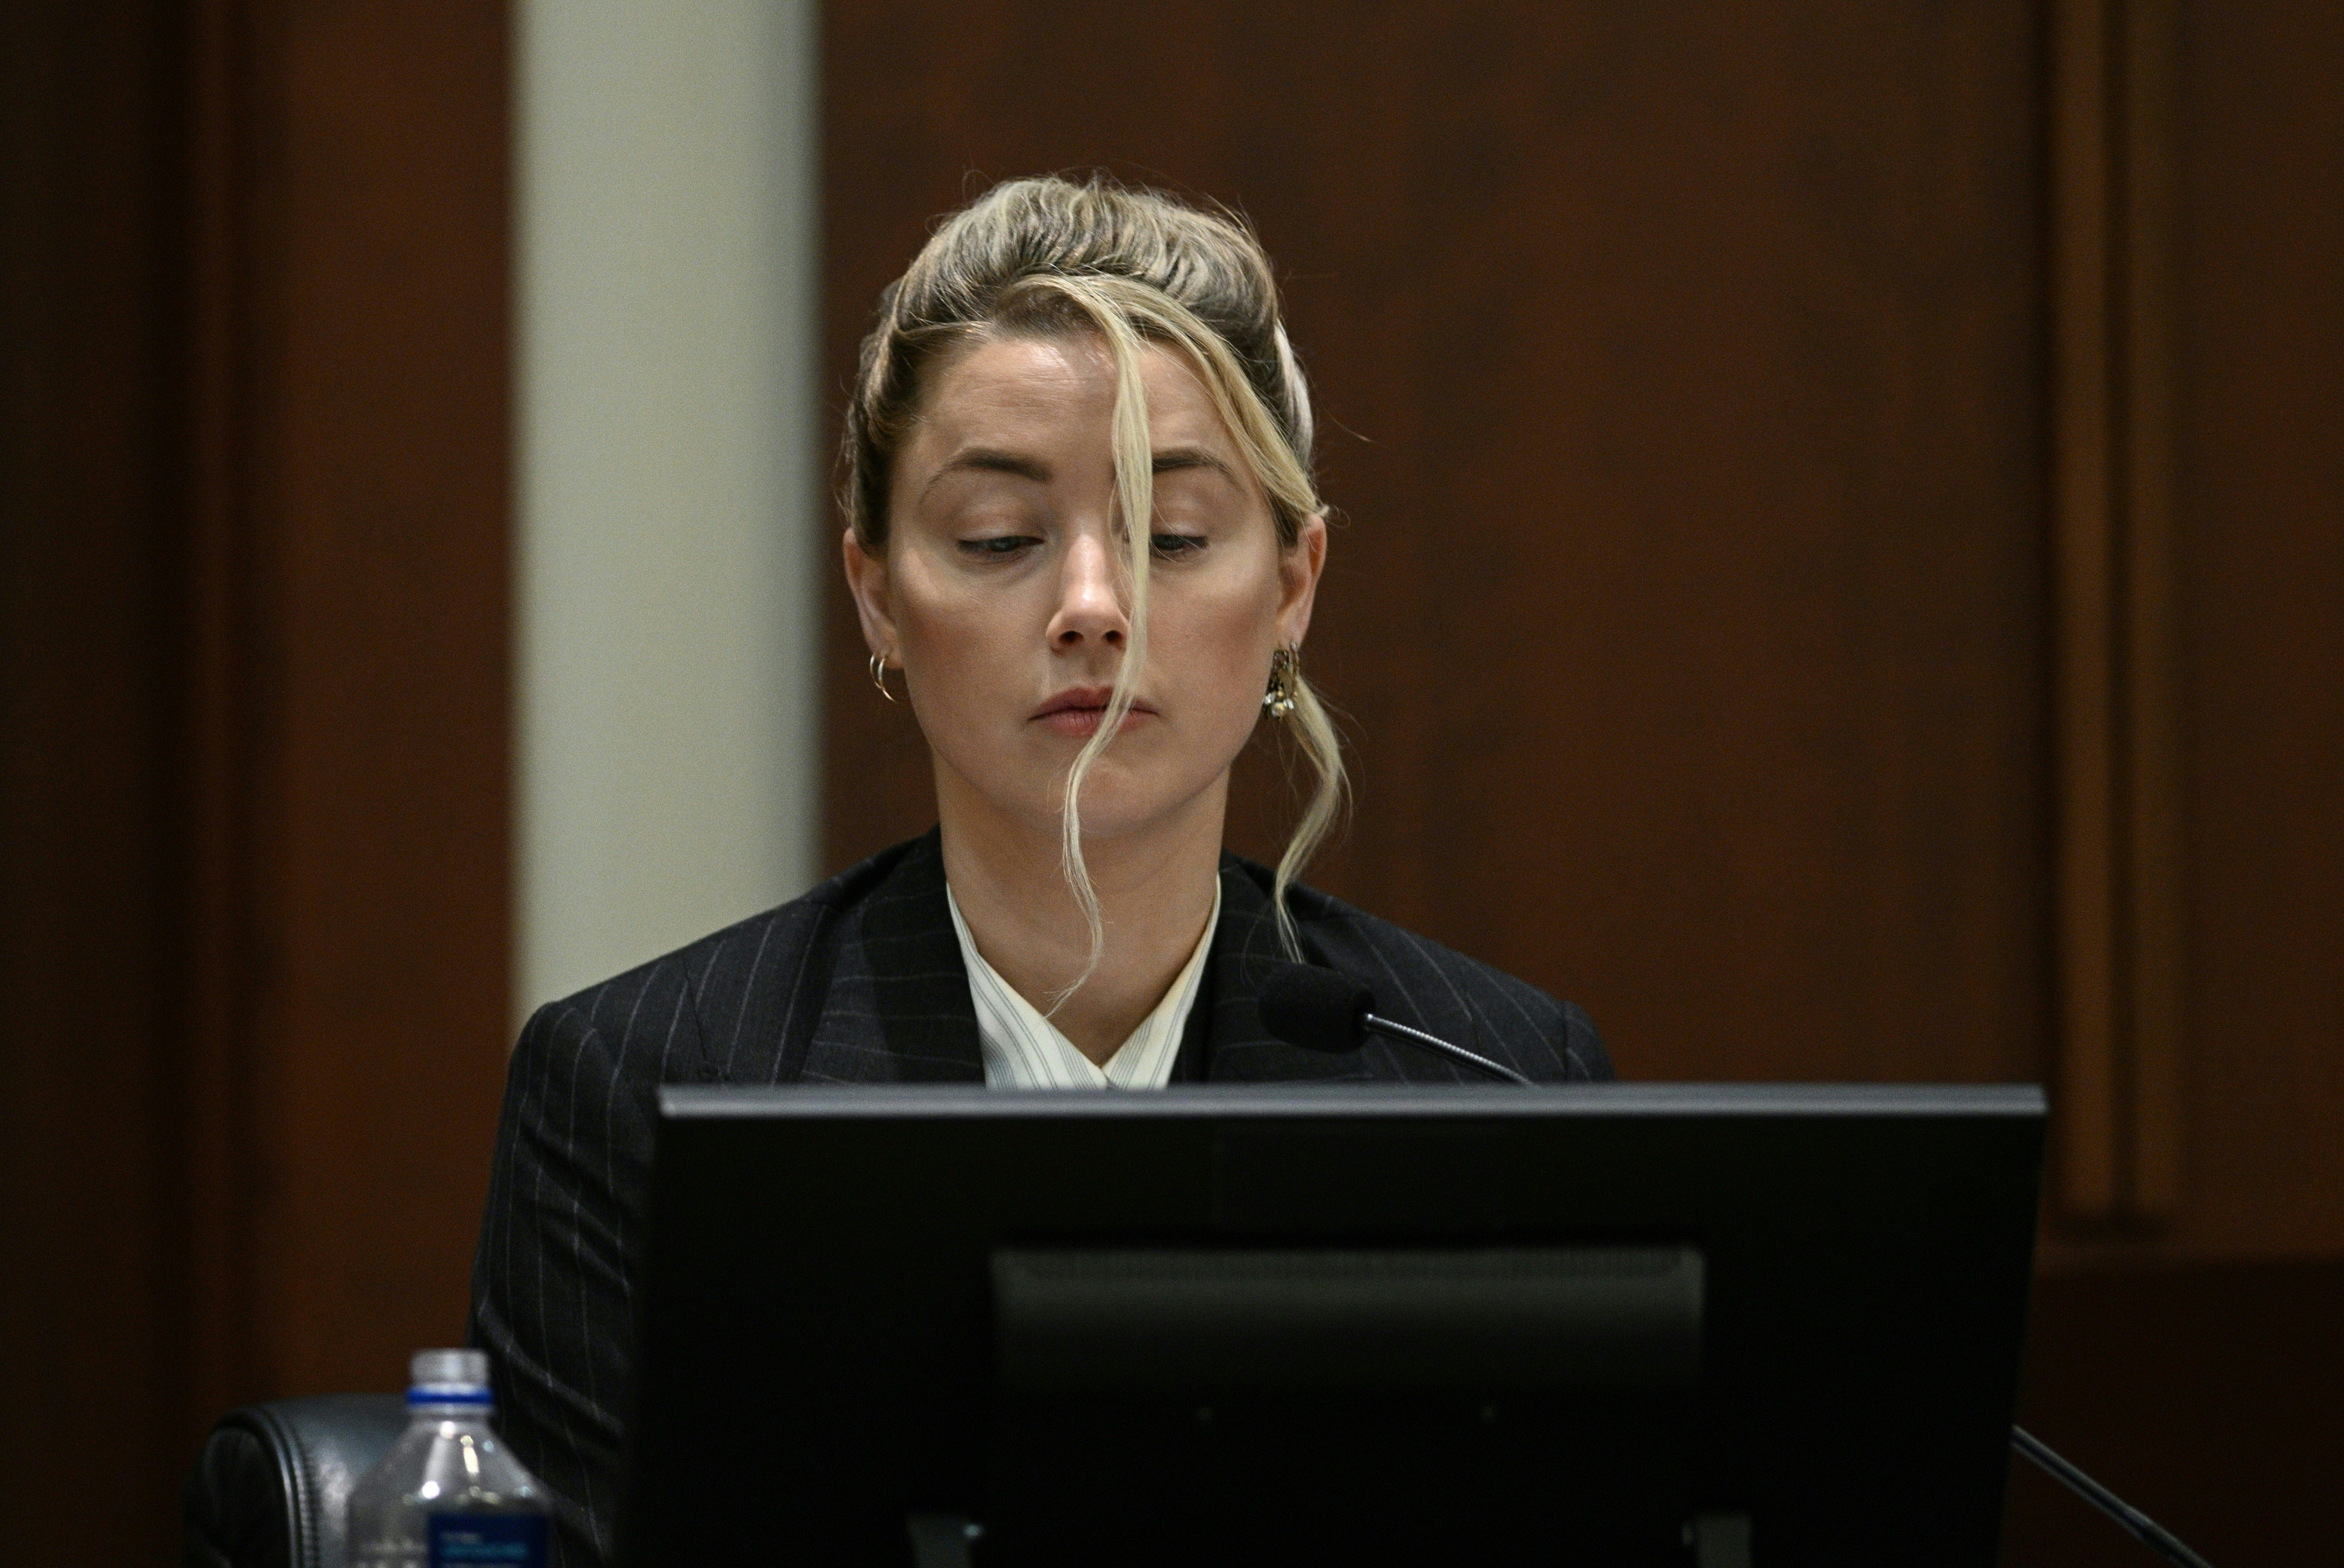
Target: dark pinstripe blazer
{"x": 860, "y": 982}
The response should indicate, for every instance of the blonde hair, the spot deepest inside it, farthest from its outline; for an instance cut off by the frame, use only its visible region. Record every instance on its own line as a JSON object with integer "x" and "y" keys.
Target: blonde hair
{"x": 1137, "y": 268}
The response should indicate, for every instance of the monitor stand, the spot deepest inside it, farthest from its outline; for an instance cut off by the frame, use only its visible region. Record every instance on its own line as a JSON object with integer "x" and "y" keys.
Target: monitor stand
{"x": 944, "y": 1540}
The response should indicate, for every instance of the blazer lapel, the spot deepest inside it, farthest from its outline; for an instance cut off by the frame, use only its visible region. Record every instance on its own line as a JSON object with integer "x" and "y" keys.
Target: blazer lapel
{"x": 1226, "y": 1040}
{"x": 898, "y": 1009}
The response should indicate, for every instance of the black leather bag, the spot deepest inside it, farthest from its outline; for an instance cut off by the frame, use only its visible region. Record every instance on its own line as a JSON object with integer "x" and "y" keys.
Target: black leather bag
{"x": 272, "y": 1487}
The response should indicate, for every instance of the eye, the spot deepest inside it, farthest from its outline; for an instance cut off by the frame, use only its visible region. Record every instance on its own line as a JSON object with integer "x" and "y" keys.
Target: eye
{"x": 1177, "y": 546}
{"x": 999, "y": 546}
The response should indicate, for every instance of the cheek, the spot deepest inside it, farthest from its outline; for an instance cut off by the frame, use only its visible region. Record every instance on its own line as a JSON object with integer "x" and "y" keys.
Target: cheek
{"x": 1217, "y": 656}
{"x": 940, "y": 638}
{"x": 978, "y": 659}
{"x": 956, "y": 645}
{"x": 945, "y": 619}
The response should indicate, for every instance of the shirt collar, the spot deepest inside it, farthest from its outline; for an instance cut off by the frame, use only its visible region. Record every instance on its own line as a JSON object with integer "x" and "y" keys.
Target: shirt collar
{"x": 1023, "y": 1049}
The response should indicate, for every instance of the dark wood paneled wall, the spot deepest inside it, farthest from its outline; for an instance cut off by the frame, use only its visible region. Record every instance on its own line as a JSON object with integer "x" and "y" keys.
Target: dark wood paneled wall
{"x": 1700, "y": 384}
{"x": 93, "y": 1282}
{"x": 2259, "y": 341}
{"x": 355, "y": 515}
{"x": 2197, "y": 370}
{"x": 254, "y": 872}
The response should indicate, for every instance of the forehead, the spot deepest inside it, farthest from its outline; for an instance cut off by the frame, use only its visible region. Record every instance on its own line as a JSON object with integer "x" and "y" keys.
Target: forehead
{"x": 1060, "y": 391}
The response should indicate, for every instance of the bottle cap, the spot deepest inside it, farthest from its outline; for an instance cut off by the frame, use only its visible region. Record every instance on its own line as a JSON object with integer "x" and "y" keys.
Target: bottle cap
{"x": 449, "y": 1377}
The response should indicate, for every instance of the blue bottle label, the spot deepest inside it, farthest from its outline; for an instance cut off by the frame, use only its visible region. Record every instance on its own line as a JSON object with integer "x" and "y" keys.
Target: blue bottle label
{"x": 512, "y": 1540}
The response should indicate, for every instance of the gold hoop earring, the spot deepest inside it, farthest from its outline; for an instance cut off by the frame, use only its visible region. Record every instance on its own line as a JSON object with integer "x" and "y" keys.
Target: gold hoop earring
{"x": 879, "y": 675}
{"x": 1285, "y": 680}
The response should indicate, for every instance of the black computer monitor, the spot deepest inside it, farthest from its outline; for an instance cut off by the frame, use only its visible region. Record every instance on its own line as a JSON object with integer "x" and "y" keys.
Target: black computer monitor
{"x": 1615, "y": 1324}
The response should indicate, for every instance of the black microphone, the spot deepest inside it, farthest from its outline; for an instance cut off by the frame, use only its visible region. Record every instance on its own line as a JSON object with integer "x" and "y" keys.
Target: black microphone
{"x": 1321, "y": 1010}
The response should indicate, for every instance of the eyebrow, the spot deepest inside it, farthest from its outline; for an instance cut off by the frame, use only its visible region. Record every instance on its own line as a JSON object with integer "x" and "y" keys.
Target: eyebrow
{"x": 991, "y": 460}
{"x": 1174, "y": 459}
{"x": 995, "y": 459}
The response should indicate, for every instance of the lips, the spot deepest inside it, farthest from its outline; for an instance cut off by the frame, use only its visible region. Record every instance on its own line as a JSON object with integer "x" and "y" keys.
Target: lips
{"x": 1076, "y": 710}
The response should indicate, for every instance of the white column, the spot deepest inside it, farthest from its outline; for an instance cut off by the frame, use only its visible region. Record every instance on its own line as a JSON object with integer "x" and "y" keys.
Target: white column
{"x": 671, "y": 525}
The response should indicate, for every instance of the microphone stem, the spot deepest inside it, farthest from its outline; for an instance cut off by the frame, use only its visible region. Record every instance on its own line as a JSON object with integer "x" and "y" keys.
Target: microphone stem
{"x": 2151, "y": 1534}
{"x": 1455, "y": 1053}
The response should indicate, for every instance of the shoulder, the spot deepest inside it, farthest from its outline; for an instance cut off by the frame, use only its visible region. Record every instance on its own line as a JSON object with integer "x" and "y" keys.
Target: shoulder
{"x": 1434, "y": 987}
{"x": 718, "y": 1008}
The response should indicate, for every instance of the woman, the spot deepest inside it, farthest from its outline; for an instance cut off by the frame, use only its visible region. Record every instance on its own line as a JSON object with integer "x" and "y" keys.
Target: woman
{"x": 1059, "y": 358}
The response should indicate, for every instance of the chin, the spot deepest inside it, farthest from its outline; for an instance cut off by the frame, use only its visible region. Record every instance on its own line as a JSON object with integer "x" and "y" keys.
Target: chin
{"x": 1112, "y": 808}
{"x": 1117, "y": 808}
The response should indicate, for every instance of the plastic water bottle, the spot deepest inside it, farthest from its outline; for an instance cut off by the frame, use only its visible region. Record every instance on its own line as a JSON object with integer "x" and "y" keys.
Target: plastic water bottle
{"x": 447, "y": 1492}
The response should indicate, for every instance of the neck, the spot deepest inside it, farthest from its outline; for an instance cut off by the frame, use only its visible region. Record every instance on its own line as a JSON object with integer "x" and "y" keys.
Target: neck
{"x": 1155, "y": 890}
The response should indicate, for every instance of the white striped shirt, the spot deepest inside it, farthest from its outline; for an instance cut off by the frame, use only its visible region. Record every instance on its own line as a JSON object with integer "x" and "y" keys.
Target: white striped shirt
{"x": 1025, "y": 1051}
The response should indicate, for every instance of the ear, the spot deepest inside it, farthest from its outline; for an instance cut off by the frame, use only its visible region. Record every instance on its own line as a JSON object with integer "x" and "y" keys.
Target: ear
{"x": 1297, "y": 570}
{"x": 867, "y": 578}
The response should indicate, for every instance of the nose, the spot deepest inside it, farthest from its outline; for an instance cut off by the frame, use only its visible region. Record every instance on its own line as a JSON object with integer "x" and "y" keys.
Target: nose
{"x": 1090, "y": 606}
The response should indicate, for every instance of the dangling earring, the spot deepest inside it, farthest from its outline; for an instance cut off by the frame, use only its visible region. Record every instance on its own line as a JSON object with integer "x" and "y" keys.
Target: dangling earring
{"x": 1285, "y": 680}
{"x": 879, "y": 675}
